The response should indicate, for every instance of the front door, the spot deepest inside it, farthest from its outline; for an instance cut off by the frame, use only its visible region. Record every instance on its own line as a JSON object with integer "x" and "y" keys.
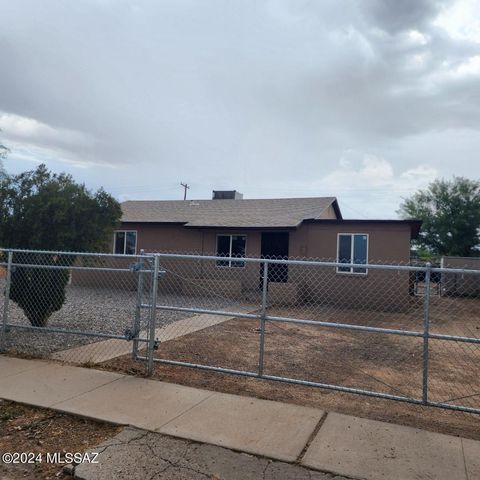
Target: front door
{"x": 275, "y": 246}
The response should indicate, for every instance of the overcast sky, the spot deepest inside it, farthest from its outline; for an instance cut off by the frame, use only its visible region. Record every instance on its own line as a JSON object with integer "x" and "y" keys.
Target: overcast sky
{"x": 365, "y": 100}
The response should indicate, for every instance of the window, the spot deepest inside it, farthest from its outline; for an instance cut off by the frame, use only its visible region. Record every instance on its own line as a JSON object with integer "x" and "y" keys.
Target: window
{"x": 125, "y": 243}
{"x": 352, "y": 248}
{"x": 231, "y": 246}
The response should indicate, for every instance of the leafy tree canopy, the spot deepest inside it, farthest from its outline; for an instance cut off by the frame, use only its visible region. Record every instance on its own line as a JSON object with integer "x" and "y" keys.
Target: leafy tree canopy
{"x": 450, "y": 211}
{"x": 45, "y": 211}
{"x": 40, "y": 210}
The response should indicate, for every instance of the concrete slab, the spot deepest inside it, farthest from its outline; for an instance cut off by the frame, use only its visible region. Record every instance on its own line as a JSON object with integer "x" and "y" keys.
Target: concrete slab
{"x": 52, "y": 383}
{"x": 135, "y": 401}
{"x": 95, "y": 352}
{"x": 357, "y": 447}
{"x": 471, "y": 452}
{"x": 13, "y": 366}
{"x": 135, "y": 455}
{"x": 261, "y": 427}
{"x": 189, "y": 325}
{"x": 98, "y": 352}
{"x": 104, "y": 350}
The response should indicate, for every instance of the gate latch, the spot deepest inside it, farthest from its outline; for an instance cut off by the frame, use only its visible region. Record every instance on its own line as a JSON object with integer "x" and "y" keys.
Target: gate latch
{"x": 156, "y": 344}
{"x": 130, "y": 334}
{"x": 135, "y": 267}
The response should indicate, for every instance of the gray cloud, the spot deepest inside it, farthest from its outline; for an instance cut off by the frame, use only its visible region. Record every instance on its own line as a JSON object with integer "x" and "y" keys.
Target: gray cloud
{"x": 270, "y": 97}
{"x": 396, "y": 16}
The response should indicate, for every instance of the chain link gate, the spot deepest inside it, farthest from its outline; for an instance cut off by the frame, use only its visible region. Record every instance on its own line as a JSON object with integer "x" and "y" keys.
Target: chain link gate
{"x": 80, "y": 308}
{"x": 433, "y": 328}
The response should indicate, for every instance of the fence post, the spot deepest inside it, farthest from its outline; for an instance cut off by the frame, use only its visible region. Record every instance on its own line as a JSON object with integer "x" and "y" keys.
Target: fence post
{"x": 426, "y": 328}
{"x": 262, "y": 319}
{"x": 138, "y": 308}
{"x": 153, "y": 316}
{"x": 6, "y": 301}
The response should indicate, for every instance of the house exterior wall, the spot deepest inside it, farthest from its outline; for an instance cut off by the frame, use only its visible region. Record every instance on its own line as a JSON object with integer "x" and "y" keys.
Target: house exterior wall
{"x": 385, "y": 290}
{"x": 153, "y": 237}
{"x": 388, "y": 243}
{"x": 379, "y": 289}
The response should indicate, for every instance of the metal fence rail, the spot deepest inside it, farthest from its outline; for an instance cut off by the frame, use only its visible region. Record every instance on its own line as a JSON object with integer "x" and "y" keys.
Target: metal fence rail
{"x": 402, "y": 332}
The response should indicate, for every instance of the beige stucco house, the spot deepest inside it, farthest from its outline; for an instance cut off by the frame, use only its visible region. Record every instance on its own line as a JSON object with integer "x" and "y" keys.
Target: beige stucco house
{"x": 287, "y": 228}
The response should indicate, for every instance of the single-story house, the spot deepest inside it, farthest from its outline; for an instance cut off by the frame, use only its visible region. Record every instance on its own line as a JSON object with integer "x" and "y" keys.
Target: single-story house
{"x": 287, "y": 228}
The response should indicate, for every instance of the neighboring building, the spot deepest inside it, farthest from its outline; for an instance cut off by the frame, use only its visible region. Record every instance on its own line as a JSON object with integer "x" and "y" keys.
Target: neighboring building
{"x": 460, "y": 284}
{"x": 229, "y": 225}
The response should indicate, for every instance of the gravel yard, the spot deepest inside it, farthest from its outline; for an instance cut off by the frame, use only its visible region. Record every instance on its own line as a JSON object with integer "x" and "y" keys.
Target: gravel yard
{"x": 99, "y": 310}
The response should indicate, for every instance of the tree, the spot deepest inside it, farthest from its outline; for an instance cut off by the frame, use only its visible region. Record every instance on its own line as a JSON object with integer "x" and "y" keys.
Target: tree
{"x": 45, "y": 211}
{"x": 450, "y": 211}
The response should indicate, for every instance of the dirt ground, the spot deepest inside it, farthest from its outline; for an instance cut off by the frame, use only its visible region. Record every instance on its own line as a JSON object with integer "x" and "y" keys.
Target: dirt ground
{"x": 384, "y": 363}
{"x": 28, "y": 429}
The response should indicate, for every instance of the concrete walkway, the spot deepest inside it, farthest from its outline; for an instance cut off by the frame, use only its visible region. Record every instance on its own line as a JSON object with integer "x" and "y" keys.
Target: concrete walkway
{"x": 340, "y": 444}
{"x": 98, "y": 352}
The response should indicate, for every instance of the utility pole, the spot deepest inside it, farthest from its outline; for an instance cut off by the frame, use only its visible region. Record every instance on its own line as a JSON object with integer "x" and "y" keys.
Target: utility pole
{"x": 185, "y": 188}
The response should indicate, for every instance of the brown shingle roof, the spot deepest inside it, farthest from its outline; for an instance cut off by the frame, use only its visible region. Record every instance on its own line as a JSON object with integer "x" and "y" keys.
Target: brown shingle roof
{"x": 282, "y": 212}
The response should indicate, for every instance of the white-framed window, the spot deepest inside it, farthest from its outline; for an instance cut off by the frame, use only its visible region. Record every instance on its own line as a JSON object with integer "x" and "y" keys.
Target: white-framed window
{"x": 352, "y": 248}
{"x": 125, "y": 242}
{"x": 231, "y": 246}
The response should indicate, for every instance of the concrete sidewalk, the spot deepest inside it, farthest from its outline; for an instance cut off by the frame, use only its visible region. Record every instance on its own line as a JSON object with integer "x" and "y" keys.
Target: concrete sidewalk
{"x": 135, "y": 454}
{"x": 340, "y": 444}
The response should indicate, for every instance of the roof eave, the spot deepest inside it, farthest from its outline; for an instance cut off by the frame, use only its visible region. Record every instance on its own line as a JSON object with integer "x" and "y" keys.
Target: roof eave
{"x": 240, "y": 227}
{"x": 414, "y": 224}
{"x": 156, "y": 222}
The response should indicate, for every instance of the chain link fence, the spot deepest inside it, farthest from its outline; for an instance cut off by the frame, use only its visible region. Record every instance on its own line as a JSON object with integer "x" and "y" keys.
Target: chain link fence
{"x": 402, "y": 332}
{"x": 77, "y": 308}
